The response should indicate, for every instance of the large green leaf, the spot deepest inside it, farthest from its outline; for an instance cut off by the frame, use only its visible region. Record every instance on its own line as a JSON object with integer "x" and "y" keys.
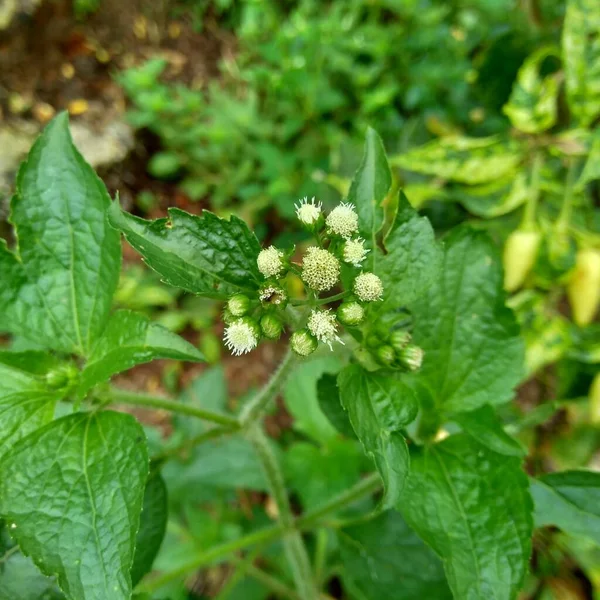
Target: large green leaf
{"x": 26, "y": 401}
{"x": 370, "y": 186}
{"x": 57, "y": 288}
{"x": 379, "y": 407}
{"x": 383, "y": 558}
{"x": 473, "y": 353}
{"x": 130, "y": 339}
{"x": 73, "y": 491}
{"x": 472, "y": 506}
{"x": 328, "y": 394}
{"x": 569, "y": 500}
{"x": 205, "y": 255}
{"x": 581, "y": 56}
{"x": 532, "y": 106}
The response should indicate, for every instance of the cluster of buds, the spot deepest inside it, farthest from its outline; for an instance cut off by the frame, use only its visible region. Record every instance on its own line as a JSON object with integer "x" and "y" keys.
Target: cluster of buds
{"x": 335, "y": 261}
{"x": 394, "y": 348}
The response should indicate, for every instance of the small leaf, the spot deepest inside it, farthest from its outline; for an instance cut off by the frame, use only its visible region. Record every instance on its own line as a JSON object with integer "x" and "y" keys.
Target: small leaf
{"x": 205, "y": 255}
{"x": 569, "y": 500}
{"x": 384, "y": 558}
{"x": 472, "y": 506}
{"x": 57, "y": 290}
{"x": 153, "y": 524}
{"x": 473, "y": 352}
{"x": 131, "y": 339}
{"x": 329, "y": 401}
{"x": 73, "y": 491}
{"x": 379, "y": 407}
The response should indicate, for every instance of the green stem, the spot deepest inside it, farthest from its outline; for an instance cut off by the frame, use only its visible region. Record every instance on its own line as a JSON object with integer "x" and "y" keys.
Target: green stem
{"x": 320, "y": 301}
{"x": 276, "y": 586}
{"x": 532, "y": 202}
{"x": 138, "y": 399}
{"x": 187, "y": 445}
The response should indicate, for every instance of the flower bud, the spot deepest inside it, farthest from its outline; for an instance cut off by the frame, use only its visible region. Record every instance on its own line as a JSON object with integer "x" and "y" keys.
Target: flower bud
{"x": 270, "y": 262}
{"x": 520, "y": 253}
{"x": 242, "y": 336}
{"x": 303, "y": 343}
{"x": 584, "y": 286}
{"x": 308, "y": 213}
{"x": 228, "y": 318}
{"x": 271, "y": 326}
{"x": 62, "y": 377}
{"x": 399, "y": 339}
{"x": 350, "y": 313}
{"x": 385, "y": 355}
{"x": 411, "y": 357}
{"x": 238, "y": 305}
{"x": 354, "y": 252}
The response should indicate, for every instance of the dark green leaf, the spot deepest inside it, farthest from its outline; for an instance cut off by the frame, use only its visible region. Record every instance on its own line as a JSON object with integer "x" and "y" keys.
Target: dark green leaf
{"x": 130, "y": 339}
{"x": 569, "y": 500}
{"x": 205, "y": 255}
{"x": 331, "y": 405}
{"x": 153, "y": 524}
{"x": 379, "y": 407}
{"x": 383, "y": 558}
{"x": 58, "y": 290}
{"x": 73, "y": 491}
{"x": 473, "y": 353}
{"x": 472, "y": 506}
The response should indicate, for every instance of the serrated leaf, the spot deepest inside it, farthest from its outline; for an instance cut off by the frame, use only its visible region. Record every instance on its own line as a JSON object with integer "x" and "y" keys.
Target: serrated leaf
{"x": 413, "y": 257}
{"x": 26, "y": 402}
{"x": 153, "y": 524}
{"x": 532, "y": 106}
{"x": 131, "y": 339}
{"x": 569, "y": 500}
{"x": 473, "y": 352}
{"x": 384, "y": 558}
{"x": 57, "y": 289}
{"x": 461, "y": 159}
{"x": 472, "y": 506}
{"x": 370, "y": 186}
{"x": 205, "y": 255}
{"x": 328, "y": 394}
{"x": 379, "y": 406}
{"x": 73, "y": 491}
{"x": 581, "y": 56}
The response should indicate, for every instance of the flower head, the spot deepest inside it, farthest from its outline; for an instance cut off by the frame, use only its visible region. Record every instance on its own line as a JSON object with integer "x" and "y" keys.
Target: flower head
{"x": 368, "y": 287}
{"x": 354, "y": 251}
{"x": 303, "y": 343}
{"x": 308, "y": 212}
{"x": 343, "y": 220}
{"x": 323, "y": 325}
{"x": 320, "y": 269}
{"x": 350, "y": 313}
{"x": 272, "y": 295}
{"x": 270, "y": 262}
{"x": 242, "y": 336}
{"x": 238, "y": 305}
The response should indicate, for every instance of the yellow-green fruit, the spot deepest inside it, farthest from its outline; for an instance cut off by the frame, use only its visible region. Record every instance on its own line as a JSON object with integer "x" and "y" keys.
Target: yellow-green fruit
{"x": 584, "y": 286}
{"x": 520, "y": 253}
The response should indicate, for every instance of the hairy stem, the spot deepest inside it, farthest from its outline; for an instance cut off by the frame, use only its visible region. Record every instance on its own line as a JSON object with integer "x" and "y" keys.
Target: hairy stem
{"x": 187, "y": 445}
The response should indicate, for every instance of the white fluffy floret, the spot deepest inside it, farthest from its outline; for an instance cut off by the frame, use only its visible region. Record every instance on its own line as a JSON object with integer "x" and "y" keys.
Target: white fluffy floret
{"x": 355, "y": 252}
{"x": 320, "y": 269}
{"x": 368, "y": 287}
{"x": 308, "y": 212}
{"x": 343, "y": 220}
{"x": 240, "y": 337}
{"x": 270, "y": 262}
{"x": 323, "y": 325}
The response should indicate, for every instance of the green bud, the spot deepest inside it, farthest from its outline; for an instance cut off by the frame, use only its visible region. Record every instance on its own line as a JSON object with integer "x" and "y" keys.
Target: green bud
{"x": 303, "y": 343}
{"x": 411, "y": 357}
{"x": 271, "y": 326}
{"x": 229, "y": 318}
{"x": 238, "y": 305}
{"x": 61, "y": 377}
{"x": 373, "y": 340}
{"x": 399, "y": 339}
{"x": 386, "y": 355}
{"x": 350, "y": 313}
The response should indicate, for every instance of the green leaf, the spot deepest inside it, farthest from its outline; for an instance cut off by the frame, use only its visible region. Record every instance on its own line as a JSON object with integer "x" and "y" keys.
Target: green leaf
{"x": 569, "y": 500}
{"x": 130, "y": 339}
{"x": 472, "y": 506}
{"x": 532, "y": 106}
{"x": 413, "y": 257}
{"x": 26, "y": 402}
{"x": 153, "y": 524}
{"x": 73, "y": 491}
{"x": 461, "y": 159}
{"x": 384, "y": 558}
{"x": 331, "y": 405}
{"x": 591, "y": 168}
{"x": 379, "y": 406}
{"x": 484, "y": 426}
{"x": 370, "y": 186}
{"x": 581, "y": 56}
{"x": 205, "y": 255}
{"x": 57, "y": 290}
{"x": 473, "y": 353}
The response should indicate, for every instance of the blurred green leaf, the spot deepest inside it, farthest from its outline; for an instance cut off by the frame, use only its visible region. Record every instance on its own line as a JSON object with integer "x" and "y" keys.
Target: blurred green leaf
{"x": 328, "y": 394}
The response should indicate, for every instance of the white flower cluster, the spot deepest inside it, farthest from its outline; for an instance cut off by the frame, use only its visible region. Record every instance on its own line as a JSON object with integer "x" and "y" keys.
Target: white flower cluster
{"x": 320, "y": 269}
{"x": 323, "y": 325}
{"x": 342, "y": 220}
{"x": 354, "y": 252}
{"x": 241, "y": 337}
{"x": 308, "y": 212}
{"x": 270, "y": 262}
{"x": 368, "y": 287}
